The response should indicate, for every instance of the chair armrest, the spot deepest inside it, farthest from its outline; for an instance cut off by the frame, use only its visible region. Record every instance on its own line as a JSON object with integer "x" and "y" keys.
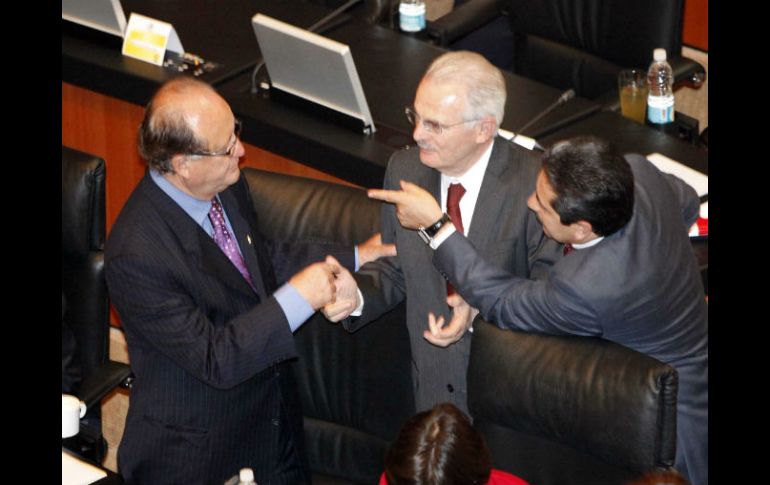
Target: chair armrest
{"x": 687, "y": 72}
{"x": 463, "y": 20}
{"x": 102, "y": 381}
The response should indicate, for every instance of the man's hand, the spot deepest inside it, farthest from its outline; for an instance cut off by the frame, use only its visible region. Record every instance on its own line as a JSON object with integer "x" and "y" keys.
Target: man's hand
{"x": 316, "y": 283}
{"x": 415, "y": 206}
{"x": 373, "y": 249}
{"x": 462, "y": 316}
{"x": 347, "y": 298}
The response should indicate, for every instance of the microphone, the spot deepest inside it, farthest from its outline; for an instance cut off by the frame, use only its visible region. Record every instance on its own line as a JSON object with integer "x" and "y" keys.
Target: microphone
{"x": 318, "y": 27}
{"x": 324, "y": 21}
{"x": 531, "y": 143}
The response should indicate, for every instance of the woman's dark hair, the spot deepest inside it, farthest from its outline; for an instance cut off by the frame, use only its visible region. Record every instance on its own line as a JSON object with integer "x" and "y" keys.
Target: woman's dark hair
{"x": 438, "y": 447}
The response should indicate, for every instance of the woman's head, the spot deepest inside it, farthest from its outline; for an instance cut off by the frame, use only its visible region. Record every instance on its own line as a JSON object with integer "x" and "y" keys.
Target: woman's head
{"x": 438, "y": 447}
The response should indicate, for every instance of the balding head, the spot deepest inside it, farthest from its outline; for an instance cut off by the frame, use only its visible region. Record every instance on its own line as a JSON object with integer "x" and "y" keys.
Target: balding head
{"x": 172, "y": 121}
{"x": 484, "y": 83}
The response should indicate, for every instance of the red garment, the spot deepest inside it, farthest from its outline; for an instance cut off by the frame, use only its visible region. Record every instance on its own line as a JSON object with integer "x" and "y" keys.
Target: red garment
{"x": 497, "y": 477}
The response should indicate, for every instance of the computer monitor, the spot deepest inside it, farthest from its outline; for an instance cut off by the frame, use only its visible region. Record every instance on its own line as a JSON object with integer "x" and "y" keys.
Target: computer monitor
{"x": 313, "y": 68}
{"x": 104, "y": 15}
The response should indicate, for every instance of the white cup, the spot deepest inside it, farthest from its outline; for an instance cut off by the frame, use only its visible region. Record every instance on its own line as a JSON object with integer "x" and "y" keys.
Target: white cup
{"x": 72, "y": 409}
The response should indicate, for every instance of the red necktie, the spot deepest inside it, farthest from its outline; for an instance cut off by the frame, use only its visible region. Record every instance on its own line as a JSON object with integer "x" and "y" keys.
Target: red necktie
{"x": 454, "y": 194}
{"x": 568, "y": 248}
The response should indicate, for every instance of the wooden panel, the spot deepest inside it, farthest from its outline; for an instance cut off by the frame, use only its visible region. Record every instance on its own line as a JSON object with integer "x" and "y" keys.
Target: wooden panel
{"x": 107, "y": 127}
{"x": 696, "y": 24}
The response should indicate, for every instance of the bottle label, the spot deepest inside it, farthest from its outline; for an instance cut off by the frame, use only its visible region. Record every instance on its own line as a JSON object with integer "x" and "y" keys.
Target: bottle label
{"x": 411, "y": 16}
{"x": 660, "y": 109}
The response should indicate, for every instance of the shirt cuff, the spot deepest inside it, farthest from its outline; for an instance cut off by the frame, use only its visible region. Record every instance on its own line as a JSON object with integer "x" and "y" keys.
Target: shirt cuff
{"x": 294, "y": 306}
{"x": 355, "y": 250}
{"x": 360, "y": 309}
{"x": 443, "y": 235}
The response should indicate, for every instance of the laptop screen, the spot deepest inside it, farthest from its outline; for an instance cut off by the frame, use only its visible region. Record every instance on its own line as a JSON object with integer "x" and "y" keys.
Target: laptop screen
{"x": 312, "y": 67}
{"x": 104, "y": 15}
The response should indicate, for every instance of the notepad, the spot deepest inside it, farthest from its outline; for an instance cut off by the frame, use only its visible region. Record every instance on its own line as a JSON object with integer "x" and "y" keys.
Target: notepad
{"x": 78, "y": 472}
{"x": 695, "y": 179}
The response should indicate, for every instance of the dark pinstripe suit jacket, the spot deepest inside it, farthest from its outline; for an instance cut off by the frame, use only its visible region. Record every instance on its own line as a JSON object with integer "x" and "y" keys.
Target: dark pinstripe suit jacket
{"x": 213, "y": 391}
{"x": 503, "y": 229}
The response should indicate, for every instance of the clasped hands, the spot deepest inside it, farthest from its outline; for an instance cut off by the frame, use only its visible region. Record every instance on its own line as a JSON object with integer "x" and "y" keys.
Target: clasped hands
{"x": 328, "y": 285}
{"x": 438, "y": 333}
{"x": 415, "y": 207}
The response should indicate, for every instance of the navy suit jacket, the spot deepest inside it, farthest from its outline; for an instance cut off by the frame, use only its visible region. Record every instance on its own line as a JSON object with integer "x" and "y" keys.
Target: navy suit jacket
{"x": 213, "y": 390}
{"x": 639, "y": 287}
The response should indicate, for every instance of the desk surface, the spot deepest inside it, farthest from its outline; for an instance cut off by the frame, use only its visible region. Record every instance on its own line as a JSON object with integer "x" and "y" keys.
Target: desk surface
{"x": 389, "y": 64}
{"x": 216, "y": 33}
{"x": 630, "y": 136}
{"x": 75, "y": 469}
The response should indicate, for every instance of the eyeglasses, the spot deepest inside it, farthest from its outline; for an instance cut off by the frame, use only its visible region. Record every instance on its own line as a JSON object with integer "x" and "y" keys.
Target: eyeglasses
{"x": 428, "y": 125}
{"x": 230, "y": 151}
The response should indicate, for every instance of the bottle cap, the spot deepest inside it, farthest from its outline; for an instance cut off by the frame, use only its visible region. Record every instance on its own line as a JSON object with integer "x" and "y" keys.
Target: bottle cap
{"x": 246, "y": 475}
{"x": 659, "y": 54}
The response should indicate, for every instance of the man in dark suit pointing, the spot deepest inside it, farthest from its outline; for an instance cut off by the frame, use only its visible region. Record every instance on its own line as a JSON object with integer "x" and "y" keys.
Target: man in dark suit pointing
{"x": 208, "y": 328}
{"x": 629, "y": 275}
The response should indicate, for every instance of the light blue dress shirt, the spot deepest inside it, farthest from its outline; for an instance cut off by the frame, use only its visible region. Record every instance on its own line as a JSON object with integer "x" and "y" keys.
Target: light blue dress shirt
{"x": 294, "y": 306}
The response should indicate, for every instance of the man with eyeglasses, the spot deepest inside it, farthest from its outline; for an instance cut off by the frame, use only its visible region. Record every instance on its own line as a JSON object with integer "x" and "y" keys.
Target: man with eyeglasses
{"x": 209, "y": 331}
{"x": 482, "y": 180}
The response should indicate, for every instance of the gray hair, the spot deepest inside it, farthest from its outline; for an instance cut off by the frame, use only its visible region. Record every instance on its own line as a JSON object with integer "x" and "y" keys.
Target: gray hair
{"x": 485, "y": 85}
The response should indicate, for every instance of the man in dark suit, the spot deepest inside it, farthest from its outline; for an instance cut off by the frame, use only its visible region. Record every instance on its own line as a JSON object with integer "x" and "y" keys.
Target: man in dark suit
{"x": 629, "y": 275}
{"x": 209, "y": 331}
{"x": 458, "y": 108}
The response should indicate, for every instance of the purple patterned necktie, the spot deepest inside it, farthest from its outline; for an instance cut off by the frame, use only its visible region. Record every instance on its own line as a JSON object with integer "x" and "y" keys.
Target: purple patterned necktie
{"x": 225, "y": 241}
{"x": 568, "y": 248}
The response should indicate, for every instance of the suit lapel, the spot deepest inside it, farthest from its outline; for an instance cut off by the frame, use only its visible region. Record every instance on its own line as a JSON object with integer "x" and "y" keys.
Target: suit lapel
{"x": 198, "y": 245}
{"x": 430, "y": 180}
{"x": 246, "y": 241}
{"x": 492, "y": 196}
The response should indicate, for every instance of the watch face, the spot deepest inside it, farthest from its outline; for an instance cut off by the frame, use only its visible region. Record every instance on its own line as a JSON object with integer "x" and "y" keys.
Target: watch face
{"x": 432, "y": 230}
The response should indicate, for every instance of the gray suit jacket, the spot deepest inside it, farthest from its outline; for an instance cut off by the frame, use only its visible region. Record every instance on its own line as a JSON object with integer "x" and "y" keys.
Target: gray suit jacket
{"x": 639, "y": 287}
{"x": 503, "y": 228}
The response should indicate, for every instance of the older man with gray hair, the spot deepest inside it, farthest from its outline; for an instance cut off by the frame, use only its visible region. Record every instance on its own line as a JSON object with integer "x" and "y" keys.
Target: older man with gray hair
{"x": 483, "y": 182}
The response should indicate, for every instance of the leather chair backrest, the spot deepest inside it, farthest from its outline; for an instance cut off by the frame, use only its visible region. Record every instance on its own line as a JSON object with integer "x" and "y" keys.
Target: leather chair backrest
{"x": 356, "y": 389}
{"x": 83, "y": 234}
{"x": 563, "y": 410}
{"x": 584, "y": 43}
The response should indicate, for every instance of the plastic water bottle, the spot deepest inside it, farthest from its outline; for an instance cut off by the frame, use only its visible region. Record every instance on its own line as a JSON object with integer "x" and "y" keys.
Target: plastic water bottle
{"x": 660, "y": 98}
{"x": 411, "y": 15}
{"x": 244, "y": 477}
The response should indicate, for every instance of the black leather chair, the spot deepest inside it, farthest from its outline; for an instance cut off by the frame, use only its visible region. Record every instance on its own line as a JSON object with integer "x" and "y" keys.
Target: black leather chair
{"x": 584, "y": 43}
{"x": 356, "y": 389}
{"x": 580, "y": 44}
{"x": 571, "y": 410}
{"x": 85, "y": 292}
